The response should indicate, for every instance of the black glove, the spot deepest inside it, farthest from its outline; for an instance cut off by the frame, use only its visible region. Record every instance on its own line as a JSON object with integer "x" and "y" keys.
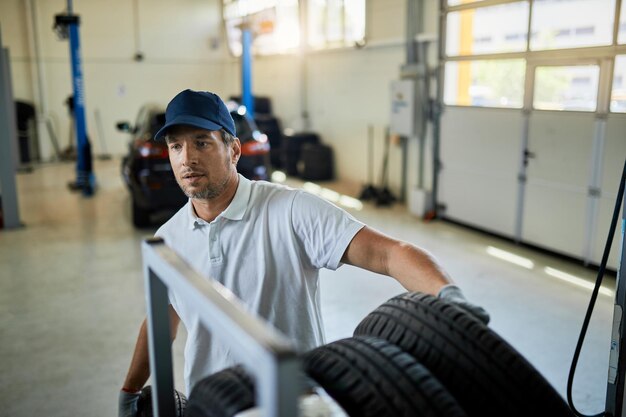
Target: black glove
{"x": 128, "y": 404}
{"x": 454, "y": 294}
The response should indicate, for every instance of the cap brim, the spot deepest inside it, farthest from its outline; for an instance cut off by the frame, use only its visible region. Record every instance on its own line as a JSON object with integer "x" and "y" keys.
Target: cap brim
{"x": 188, "y": 121}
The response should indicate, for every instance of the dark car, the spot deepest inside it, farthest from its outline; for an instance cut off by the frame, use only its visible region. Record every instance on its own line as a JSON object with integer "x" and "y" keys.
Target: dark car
{"x": 147, "y": 171}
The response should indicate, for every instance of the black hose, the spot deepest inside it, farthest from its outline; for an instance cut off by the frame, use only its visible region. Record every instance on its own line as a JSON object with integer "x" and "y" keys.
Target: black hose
{"x": 594, "y": 295}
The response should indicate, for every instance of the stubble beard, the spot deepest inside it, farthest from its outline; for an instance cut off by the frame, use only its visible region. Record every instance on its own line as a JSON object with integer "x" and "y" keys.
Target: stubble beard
{"x": 210, "y": 191}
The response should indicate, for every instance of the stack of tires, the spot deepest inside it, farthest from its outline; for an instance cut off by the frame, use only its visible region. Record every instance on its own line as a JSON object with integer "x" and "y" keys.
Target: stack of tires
{"x": 415, "y": 355}
{"x": 304, "y": 155}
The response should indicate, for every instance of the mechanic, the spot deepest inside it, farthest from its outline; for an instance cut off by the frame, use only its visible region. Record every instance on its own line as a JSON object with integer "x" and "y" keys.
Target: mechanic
{"x": 265, "y": 242}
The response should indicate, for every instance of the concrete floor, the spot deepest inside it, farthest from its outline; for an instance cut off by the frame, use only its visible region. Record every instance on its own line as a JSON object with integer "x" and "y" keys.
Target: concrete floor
{"x": 72, "y": 299}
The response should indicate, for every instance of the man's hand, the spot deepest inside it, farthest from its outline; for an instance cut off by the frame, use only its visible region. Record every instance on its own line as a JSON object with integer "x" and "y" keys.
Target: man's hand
{"x": 128, "y": 403}
{"x": 454, "y": 294}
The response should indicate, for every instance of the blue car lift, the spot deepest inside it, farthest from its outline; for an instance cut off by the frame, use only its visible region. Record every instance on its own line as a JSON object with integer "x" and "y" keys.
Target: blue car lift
{"x": 246, "y": 70}
{"x": 66, "y": 25}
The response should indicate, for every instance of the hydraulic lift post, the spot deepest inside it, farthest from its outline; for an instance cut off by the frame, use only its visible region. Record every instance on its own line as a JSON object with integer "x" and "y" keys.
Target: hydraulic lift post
{"x": 66, "y": 25}
{"x": 246, "y": 69}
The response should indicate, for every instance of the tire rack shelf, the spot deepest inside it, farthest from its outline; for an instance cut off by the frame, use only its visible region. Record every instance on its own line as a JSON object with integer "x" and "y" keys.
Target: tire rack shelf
{"x": 266, "y": 353}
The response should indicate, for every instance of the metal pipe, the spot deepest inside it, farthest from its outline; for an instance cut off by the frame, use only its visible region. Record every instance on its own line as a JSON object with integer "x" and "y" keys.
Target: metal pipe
{"x": 8, "y": 144}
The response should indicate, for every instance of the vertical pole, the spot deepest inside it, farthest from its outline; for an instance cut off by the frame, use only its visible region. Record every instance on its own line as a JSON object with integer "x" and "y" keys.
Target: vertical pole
{"x": 246, "y": 70}
{"x": 8, "y": 144}
{"x": 83, "y": 165}
{"x": 521, "y": 176}
{"x": 160, "y": 346}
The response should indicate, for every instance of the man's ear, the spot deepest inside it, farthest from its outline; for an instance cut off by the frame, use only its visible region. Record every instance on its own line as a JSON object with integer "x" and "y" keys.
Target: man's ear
{"x": 236, "y": 147}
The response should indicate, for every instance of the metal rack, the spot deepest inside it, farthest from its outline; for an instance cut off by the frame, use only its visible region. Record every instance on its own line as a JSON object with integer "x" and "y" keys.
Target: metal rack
{"x": 268, "y": 355}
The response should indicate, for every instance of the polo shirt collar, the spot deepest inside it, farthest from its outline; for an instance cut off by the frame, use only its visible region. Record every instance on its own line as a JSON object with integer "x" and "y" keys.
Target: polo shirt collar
{"x": 235, "y": 210}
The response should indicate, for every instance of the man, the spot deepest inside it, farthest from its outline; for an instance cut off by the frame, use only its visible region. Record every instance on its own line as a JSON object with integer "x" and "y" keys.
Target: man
{"x": 263, "y": 241}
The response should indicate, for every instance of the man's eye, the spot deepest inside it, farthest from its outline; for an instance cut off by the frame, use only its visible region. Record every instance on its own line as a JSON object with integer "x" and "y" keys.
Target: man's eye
{"x": 202, "y": 144}
{"x": 174, "y": 147}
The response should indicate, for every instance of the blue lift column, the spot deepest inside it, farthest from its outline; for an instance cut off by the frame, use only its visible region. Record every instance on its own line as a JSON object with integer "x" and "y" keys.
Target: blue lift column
{"x": 246, "y": 70}
{"x": 66, "y": 26}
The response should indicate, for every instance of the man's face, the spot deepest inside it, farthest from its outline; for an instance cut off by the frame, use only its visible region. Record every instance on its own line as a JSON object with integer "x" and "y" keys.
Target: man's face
{"x": 201, "y": 161}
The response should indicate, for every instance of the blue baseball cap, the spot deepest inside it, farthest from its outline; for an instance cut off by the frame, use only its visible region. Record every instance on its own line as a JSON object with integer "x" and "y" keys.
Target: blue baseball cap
{"x": 199, "y": 109}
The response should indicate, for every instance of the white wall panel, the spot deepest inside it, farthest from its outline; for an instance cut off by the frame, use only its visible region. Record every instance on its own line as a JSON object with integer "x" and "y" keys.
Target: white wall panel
{"x": 387, "y": 19}
{"x": 347, "y": 92}
{"x": 480, "y": 153}
{"x": 278, "y": 77}
{"x": 14, "y": 32}
{"x": 558, "y": 180}
{"x": 554, "y": 218}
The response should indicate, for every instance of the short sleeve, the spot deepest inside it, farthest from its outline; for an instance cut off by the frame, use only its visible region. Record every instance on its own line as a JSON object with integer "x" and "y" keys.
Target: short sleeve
{"x": 324, "y": 229}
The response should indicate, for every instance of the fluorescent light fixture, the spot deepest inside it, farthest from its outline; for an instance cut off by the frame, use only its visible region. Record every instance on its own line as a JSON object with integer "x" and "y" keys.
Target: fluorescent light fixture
{"x": 576, "y": 280}
{"x": 279, "y": 176}
{"x": 510, "y": 257}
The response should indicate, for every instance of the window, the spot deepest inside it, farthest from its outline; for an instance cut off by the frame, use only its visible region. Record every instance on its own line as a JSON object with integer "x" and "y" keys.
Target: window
{"x": 618, "y": 94}
{"x": 580, "y": 23}
{"x": 500, "y": 37}
{"x": 484, "y": 30}
{"x": 573, "y": 88}
{"x": 276, "y": 24}
{"x": 334, "y": 23}
{"x": 485, "y": 83}
{"x": 273, "y": 22}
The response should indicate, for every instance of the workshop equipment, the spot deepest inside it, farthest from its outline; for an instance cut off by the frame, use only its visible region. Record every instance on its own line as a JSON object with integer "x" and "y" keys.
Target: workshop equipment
{"x": 66, "y": 26}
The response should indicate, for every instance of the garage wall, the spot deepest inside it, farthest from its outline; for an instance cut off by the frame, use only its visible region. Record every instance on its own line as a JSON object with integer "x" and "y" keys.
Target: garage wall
{"x": 348, "y": 89}
{"x": 180, "y": 42}
{"x": 183, "y": 46}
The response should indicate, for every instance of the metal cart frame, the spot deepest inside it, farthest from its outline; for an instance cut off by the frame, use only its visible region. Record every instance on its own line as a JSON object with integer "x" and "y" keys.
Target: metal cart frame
{"x": 265, "y": 353}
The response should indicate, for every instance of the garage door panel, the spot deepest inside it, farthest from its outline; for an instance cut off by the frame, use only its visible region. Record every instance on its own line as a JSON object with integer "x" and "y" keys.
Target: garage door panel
{"x": 554, "y": 218}
{"x": 480, "y": 152}
{"x": 481, "y": 139}
{"x": 482, "y": 200}
{"x": 561, "y": 144}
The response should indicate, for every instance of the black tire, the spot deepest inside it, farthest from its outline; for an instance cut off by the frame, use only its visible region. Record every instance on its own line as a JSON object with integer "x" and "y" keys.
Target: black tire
{"x": 144, "y": 405}
{"x": 141, "y": 216}
{"x": 369, "y": 377}
{"x": 486, "y": 375}
{"x": 222, "y": 394}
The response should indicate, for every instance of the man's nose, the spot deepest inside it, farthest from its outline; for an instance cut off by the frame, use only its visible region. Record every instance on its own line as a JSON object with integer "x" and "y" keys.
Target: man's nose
{"x": 189, "y": 155}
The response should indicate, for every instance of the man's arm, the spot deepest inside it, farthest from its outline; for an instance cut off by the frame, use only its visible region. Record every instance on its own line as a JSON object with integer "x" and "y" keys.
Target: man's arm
{"x": 139, "y": 370}
{"x": 413, "y": 267}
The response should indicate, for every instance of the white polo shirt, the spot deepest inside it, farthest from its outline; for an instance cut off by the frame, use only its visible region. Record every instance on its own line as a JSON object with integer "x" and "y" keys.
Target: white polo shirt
{"x": 267, "y": 248}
